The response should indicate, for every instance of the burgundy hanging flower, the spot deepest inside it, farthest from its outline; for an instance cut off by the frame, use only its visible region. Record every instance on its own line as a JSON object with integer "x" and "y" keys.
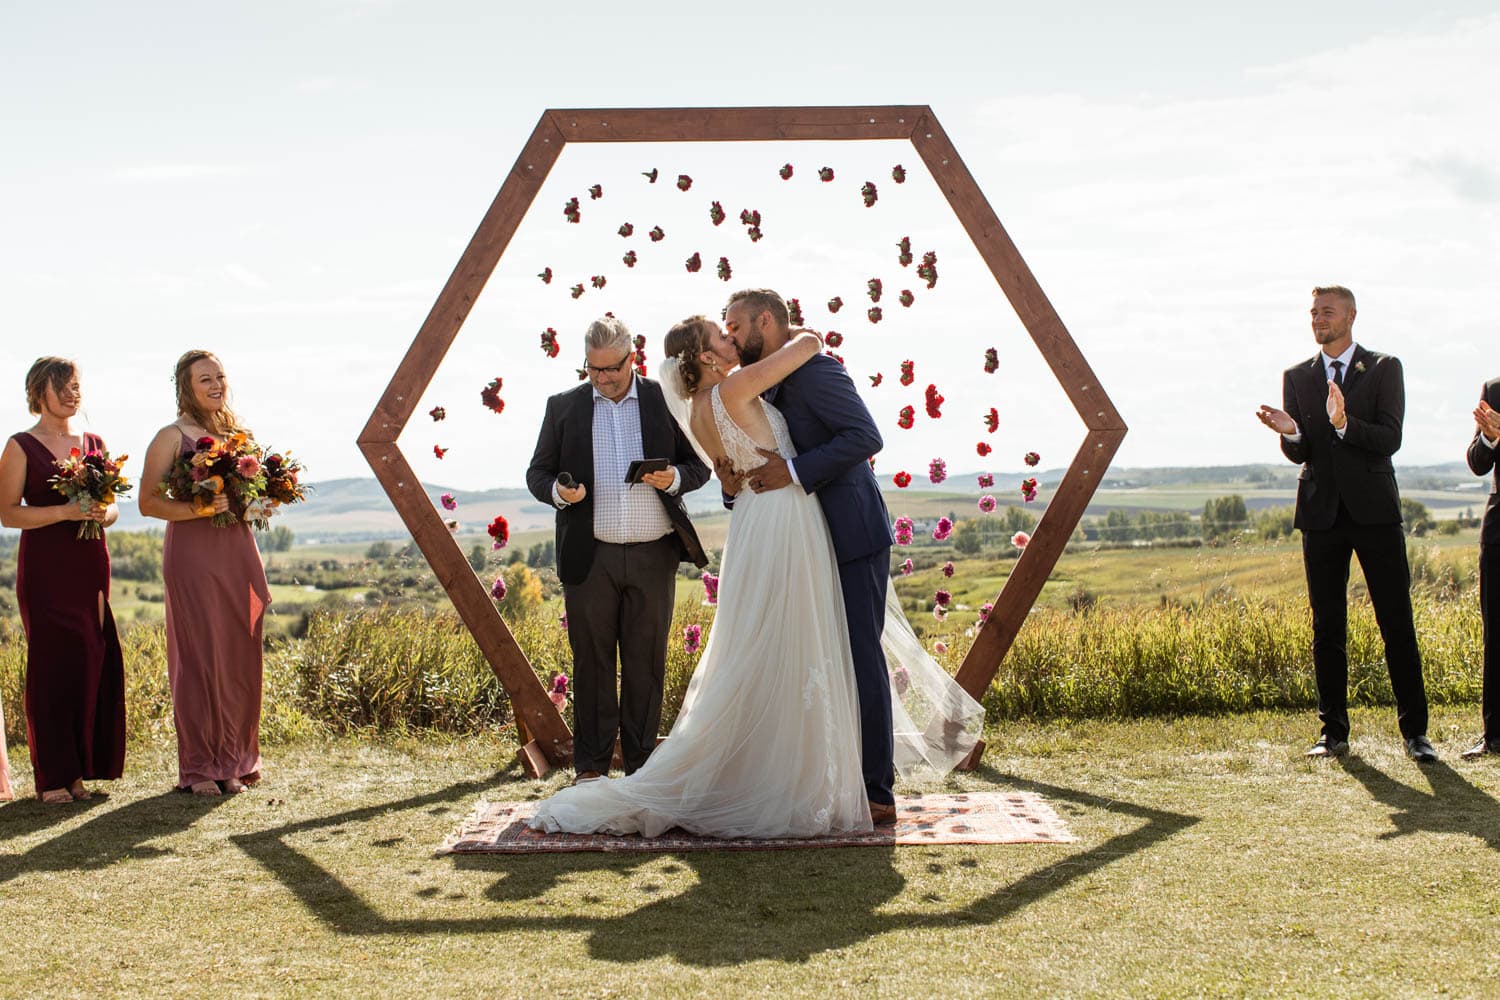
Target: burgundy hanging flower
{"x": 724, "y": 271}
{"x": 439, "y": 451}
{"x": 876, "y": 379}
{"x": 905, "y": 247}
{"x": 749, "y": 217}
{"x": 907, "y": 418}
{"x": 948, "y": 569}
{"x": 986, "y": 480}
{"x": 437, "y": 413}
{"x": 908, "y": 372}
{"x": 982, "y": 448}
{"x": 873, "y": 288}
{"x": 630, "y": 258}
{"x": 942, "y": 529}
{"x": 785, "y": 171}
{"x": 991, "y": 360}
{"x": 546, "y": 275}
{"x": 694, "y": 263}
{"x": 1032, "y": 459}
{"x": 825, "y": 174}
{"x": 497, "y": 589}
{"x": 490, "y": 395}
{"x": 875, "y": 313}
{"x": 942, "y": 597}
{"x": 657, "y": 234}
{"x": 835, "y": 304}
{"x": 626, "y": 229}
{"x": 576, "y": 291}
{"x": 927, "y": 270}
{"x": 716, "y": 213}
{"x": 898, "y": 174}
{"x": 684, "y": 182}
{"x": 570, "y": 209}
{"x": 868, "y": 193}
{"x": 549, "y": 342}
{"x": 833, "y": 338}
{"x": 598, "y": 281}
{"x": 906, "y": 298}
{"x": 794, "y": 311}
{"x": 755, "y": 234}
{"x": 902, "y": 479}
{"x": 596, "y": 192}
{"x": 992, "y": 420}
{"x": 650, "y": 175}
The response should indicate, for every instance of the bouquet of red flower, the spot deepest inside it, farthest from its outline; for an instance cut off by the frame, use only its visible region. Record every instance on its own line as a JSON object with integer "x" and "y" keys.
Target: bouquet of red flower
{"x": 283, "y": 486}
{"x": 90, "y": 480}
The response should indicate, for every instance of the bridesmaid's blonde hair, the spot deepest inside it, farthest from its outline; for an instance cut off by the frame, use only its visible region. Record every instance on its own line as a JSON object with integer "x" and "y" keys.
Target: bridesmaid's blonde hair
{"x": 220, "y": 424}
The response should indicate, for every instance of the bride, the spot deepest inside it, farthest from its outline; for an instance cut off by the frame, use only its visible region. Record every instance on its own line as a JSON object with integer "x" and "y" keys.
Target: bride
{"x": 766, "y": 743}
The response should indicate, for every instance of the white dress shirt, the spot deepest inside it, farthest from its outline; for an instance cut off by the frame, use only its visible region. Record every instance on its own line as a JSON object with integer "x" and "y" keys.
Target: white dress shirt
{"x": 1345, "y": 358}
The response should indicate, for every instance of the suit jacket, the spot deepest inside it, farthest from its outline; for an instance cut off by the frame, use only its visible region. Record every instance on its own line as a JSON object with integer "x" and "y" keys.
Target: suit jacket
{"x": 1355, "y": 469}
{"x": 835, "y": 438}
{"x": 1481, "y": 462}
{"x": 566, "y": 443}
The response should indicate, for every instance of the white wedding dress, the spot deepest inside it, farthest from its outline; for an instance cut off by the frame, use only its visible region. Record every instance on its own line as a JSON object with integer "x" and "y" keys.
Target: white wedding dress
{"x": 767, "y": 741}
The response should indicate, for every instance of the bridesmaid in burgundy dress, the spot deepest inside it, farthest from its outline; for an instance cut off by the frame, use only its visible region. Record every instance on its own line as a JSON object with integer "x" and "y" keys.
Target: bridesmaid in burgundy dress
{"x": 216, "y": 597}
{"x": 75, "y": 675}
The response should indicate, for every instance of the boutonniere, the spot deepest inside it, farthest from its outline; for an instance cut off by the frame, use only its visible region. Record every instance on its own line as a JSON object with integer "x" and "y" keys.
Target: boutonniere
{"x": 1359, "y": 366}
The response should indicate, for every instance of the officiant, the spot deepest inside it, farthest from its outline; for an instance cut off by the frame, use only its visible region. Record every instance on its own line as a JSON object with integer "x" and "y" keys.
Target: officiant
{"x": 619, "y": 542}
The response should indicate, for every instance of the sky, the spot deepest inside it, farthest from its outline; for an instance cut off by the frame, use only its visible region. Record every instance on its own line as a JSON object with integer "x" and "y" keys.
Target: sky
{"x": 290, "y": 185}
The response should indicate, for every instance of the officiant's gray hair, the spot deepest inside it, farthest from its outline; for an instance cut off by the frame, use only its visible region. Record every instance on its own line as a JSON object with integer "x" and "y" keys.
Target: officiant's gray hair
{"x": 607, "y": 334}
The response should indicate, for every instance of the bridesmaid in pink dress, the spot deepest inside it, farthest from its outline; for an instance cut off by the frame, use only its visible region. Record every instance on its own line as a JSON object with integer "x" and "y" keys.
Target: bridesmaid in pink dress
{"x": 75, "y": 675}
{"x": 216, "y": 597}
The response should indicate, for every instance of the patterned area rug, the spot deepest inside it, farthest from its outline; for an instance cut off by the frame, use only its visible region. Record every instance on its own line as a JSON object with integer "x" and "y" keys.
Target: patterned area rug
{"x": 976, "y": 818}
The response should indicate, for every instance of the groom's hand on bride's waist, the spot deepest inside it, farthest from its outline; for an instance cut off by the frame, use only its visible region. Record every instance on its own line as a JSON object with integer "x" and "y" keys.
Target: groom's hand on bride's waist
{"x": 771, "y": 476}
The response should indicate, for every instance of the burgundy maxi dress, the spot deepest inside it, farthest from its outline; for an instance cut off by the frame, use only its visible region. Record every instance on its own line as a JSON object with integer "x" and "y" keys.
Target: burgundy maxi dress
{"x": 75, "y": 674}
{"x": 216, "y": 598}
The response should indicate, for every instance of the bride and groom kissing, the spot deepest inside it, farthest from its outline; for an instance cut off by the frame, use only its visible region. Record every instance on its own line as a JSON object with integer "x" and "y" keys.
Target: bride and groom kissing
{"x": 812, "y": 690}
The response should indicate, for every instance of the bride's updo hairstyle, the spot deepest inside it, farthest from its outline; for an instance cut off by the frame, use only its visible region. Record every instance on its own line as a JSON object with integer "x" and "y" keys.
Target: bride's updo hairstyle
{"x": 685, "y": 342}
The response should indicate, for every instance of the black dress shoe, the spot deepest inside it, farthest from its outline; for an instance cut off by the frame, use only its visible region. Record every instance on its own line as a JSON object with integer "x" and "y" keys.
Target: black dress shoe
{"x": 1419, "y": 749}
{"x": 1483, "y": 748}
{"x": 1327, "y": 747}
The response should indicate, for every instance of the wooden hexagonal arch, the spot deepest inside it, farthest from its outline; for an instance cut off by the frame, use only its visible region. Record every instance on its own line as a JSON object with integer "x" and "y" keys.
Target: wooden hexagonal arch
{"x": 550, "y": 741}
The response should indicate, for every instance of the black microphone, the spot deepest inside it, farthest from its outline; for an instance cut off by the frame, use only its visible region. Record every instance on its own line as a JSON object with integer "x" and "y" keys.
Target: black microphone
{"x": 565, "y": 480}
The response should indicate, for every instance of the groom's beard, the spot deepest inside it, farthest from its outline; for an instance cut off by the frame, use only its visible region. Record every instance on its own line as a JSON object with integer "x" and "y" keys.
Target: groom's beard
{"x": 752, "y": 349}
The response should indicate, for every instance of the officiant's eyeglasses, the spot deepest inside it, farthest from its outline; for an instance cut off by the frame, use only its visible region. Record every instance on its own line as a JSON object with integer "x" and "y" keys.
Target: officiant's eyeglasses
{"x": 614, "y": 369}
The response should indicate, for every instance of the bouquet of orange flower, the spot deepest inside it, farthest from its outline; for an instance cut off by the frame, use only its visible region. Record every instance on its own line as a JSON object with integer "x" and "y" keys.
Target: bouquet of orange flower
{"x": 91, "y": 480}
{"x": 238, "y": 468}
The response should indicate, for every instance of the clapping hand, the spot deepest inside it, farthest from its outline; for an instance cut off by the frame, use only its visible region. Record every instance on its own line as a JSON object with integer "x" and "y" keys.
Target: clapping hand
{"x": 1279, "y": 421}
{"x": 1335, "y": 406}
{"x": 1487, "y": 421}
{"x": 771, "y": 476}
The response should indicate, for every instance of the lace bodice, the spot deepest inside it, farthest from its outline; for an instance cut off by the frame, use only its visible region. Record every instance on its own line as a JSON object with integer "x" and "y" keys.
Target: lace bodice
{"x": 739, "y": 446}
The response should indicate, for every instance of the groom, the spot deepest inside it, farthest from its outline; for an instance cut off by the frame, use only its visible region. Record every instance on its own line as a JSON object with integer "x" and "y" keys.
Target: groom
{"x": 835, "y": 437}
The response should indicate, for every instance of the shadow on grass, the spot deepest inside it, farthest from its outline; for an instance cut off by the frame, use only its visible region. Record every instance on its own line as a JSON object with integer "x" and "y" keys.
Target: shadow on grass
{"x": 785, "y": 905}
{"x": 108, "y": 836}
{"x": 1452, "y": 806}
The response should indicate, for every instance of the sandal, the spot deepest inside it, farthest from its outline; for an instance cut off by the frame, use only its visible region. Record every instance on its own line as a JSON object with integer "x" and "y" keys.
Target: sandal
{"x": 205, "y": 788}
{"x": 78, "y": 792}
{"x": 57, "y": 796}
{"x": 233, "y": 786}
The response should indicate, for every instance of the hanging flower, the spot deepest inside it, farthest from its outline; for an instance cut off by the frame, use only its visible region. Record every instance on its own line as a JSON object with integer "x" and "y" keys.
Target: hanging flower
{"x": 598, "y": 281}
{"x": 657, "y": 234}
{"x": 992, "y": 420}
{"x": 908, "y": 372}
{"x": 991, "y": 361}
{"x": 724, "y": 271}
{"x": 942, "y": 598}
{"x": 825, "y": 174}
{"x": 948, "y": 569}
{"x": 1032, "y": 459}
{"x": 785, "y": 171}
{"x": 986, "y": 504}
{"x": 627, "y": 229}
{"x": 562, "y": 622}
{"x": 448, "y": 502}
{"x": 490, "y": 395}
{"x": 984, "y": 612}
{"x": 940, "y": 648}
{"x": 942, "y": 529}
{"x": 927, "y": 270}
{"x": 549, "y": 342}
{"x": 691, "y": 637}
{"x": 716, "y": 213}
{"x": 900, "y": 680}
{"x": 1020, "y": 539}
{"x": 934, "y": 401}
{"x": 835, "y": 304}
{"x": 907, "y": 418}
{"x": 684, "y": 182}
{"x": 640, "y": 370}
{"x": 875, "y": 313}
{"x": 596, "y": 192}
{"x": 439, "y": 451}
{"x": 986, "y": 480}
{"x": 868, "y": 193}
{"x": 902, "y": 479}
{"x": 497, "y": 589}
{"x": 875, "y": 379}
{"x": 940, "y": 613}
{"x": 873, "y": 288}
{"x": 906, "y": 298}
{"x": 837, "y": 357}
{"x": 629, "y": 258}
{"x": 982, "y": 448}
{"x": 794, "y": 311}
{"x": 833, "y": 338}
{"x": 749, "y": 216}
{"x": 437, "y": 413}
{"x": 902, "y": 529}
{"x": 937, "y": 471}
{"x": 570, "y": 210}
{"x": 499, "y": 530}
{"x": 754, "y": 233}
{"x": 710, "y": 589}
{"x": 694, "y": 263}
{"x": 559, "y": 693}
{"x": 905, "y": 247}
{"x": 577, "y": 291}
{"x": 452, "y": 527}
{"x": 898, "y": 174}
{"x": 650, "y": 175}
{"x": 906, "y": 568}
{"x": 546, "y": 275}
{"x": 1028, "y": 489}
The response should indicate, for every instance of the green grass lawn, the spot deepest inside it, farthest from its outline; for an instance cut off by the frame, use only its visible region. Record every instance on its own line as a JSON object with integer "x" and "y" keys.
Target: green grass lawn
{"x": 1213, "y": 859}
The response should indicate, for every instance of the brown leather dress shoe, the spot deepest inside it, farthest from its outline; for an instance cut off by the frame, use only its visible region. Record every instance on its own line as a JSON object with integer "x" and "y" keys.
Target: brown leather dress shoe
{"x": 882, "y": 814}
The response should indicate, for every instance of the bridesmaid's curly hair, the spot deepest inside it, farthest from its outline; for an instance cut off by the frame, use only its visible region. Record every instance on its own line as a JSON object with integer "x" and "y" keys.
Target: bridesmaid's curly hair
{"x": 685, "y": 342}
{"x": 44, "y": 372}
{"x": 220, "y": 424}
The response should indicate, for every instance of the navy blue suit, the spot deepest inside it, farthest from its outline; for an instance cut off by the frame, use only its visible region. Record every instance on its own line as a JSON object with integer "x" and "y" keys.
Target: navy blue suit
{"x": 835, "y": 437}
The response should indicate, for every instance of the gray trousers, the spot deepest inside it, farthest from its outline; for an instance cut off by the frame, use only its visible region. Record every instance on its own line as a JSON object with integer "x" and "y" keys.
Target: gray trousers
{"x": 624, "y": 608}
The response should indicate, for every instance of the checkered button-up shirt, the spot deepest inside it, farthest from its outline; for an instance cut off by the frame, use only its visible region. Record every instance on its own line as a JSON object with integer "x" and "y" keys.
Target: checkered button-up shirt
{"x": 623, "y": 512}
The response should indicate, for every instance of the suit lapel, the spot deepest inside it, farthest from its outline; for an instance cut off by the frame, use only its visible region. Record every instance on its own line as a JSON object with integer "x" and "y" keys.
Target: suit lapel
{"x": 1358, "y": 364}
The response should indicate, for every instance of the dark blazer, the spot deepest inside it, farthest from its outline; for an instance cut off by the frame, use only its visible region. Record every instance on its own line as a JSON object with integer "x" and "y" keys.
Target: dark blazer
{"x": 1356, "y": 468}
{"x": 1481, "y": 462}
{"x": 835, "y": 438}
{"x": 566, "y": 443}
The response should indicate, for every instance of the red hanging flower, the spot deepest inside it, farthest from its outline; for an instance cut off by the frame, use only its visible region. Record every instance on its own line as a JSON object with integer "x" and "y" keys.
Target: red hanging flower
{"x": 650, "y": 175}
{"x": 716, "y": 213}
{"x": 906, "y": 298}
{"x": 598, "y": 281}
{"x": 630, "y": 258}
{"x": 549, "y": 342}
{"x": 908, "y": 372}
{"x": 833, "y": 338}
{"x": 907, "y": 418}
{"x": 983, "y": 449}
{"x": 1032, "y": 459}
{"x": 439, "y": 451}
{"x": 876, "y": 379}
{"x": 499, "y": 530}
{"x": 754, "y": 233}
{"x": 905, "y": 247}
{"x": 991, "y": 360}
{"x": 902, "y": 479}
{"x": 898, "y": 174}
{"x": 695, "y": 263}
{"x": 684, "y": 182}
{"x": 437, "y": 413}
{"x": 934, "y": 400}
{"x": 490, "y": 395}
{"x": 724, "y": 272}
{"x": 873, "y": 288}
{"x": 749, "y": 217}
{"x": 875, "y": 313}
{"x": 546, "y": 276}
{"x": 835, "y": 304}
{"x": 927, "y": 270}
{"x": 785, "y": 171}
{"x": 596, "y": 192}
{"x": 570, "y": 209}
{"x": 577, "y": 291}
{"x": 794, "y": 311}
{"x": 656, "y": 234}
{"x": 868, "y": 192}
{"x": 825, "y": 174}
{"x": 992, "y": 420}
{"x": 640, "y": 347}
{"x": 640, "y": 370}
{"x": 626, "y": 229}
{"x": 837, "y": 357}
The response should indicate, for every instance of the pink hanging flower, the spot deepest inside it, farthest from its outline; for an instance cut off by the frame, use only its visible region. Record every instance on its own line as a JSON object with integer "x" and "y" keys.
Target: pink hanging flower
{"x": 948, "y": 569}
{"x": 942, "y": 598}
{"x": 497, "y": 589}
{"x": 940, "y": 648}
{"x": 691, "y": 638}
{"x": 940, "y": 613}
{"x": 986, "y": 480}
{"x": 710, "y": 589}
{"x": 942, "y": 530}
{"x": 448, "y": 502}
{"x": 906, "y": 568}
{"x": 900, "y": 679}
{"x": 984, "y": 612}
{"x": 1020, "y": 539}
{"x": 986, "y": 504}
{"x": 559, "y": 693}
{"x": 937, "y": 471}
{"x": 903, "y": 530}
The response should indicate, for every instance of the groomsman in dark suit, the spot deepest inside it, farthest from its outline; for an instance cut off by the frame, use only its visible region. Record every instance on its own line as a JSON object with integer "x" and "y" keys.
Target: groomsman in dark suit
{"x": 618, "y": 544}
{"x": 1342, "y": 416}
{"x": 1482, "y": 462}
